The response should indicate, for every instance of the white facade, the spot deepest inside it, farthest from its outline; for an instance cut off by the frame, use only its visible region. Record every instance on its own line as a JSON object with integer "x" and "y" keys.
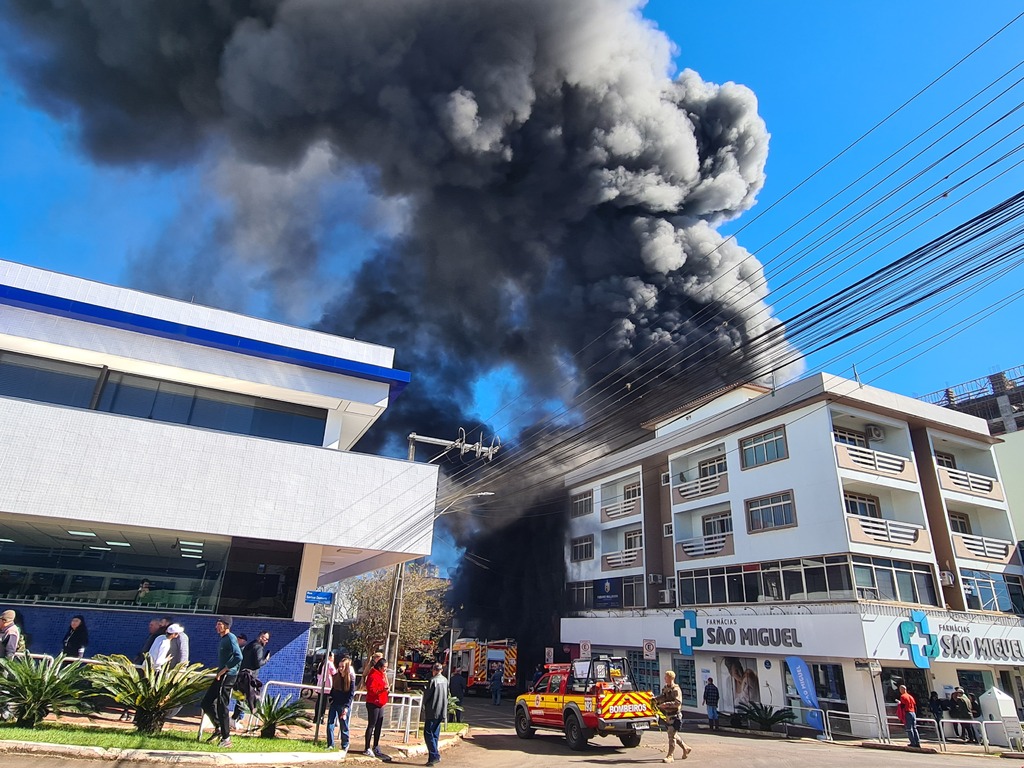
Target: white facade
{"x": 64, "y": 467}
{"x": 811, "y": 522}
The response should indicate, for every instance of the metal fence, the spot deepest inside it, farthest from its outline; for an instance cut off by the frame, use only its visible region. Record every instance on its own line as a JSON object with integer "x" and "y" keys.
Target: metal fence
{"x": 836, "y": 724}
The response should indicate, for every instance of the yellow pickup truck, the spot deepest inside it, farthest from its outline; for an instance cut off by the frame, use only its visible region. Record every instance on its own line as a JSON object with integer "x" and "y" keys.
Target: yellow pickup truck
{"x": 587, "y": 698}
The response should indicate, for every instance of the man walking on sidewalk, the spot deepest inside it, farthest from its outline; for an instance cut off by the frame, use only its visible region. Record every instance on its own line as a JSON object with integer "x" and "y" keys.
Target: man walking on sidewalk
{"x": 711, "y": 701}
{"x": 906, "y": 712}
{"x": 435, "y": 706}
{"x": 216, "y": 702}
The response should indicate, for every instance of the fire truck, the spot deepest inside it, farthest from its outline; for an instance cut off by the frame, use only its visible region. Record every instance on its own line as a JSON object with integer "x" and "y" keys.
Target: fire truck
{"x": 587, "y": 698}
{"x": 477, "y": 657}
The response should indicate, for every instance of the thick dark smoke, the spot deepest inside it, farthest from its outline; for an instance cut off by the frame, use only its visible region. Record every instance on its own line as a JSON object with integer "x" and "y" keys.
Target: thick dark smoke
{"x": 545, "y": 180}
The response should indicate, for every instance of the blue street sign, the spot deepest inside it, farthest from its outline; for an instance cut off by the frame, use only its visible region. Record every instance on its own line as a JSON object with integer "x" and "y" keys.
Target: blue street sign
{"x": 320, "y": 598}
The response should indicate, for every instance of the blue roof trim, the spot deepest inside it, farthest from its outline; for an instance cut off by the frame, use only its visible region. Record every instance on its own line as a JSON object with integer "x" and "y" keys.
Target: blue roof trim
{"x": 167, "y": 329}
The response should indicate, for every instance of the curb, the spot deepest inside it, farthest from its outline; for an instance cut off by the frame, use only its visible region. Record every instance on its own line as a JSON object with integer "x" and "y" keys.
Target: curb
{"x": 213, "y": 758}
{"x": 899, "y": 748}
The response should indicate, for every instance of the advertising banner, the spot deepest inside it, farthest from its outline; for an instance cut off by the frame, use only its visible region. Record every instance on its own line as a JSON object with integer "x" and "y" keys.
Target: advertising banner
{"x": 803, "y": 680}
{"x": 608, "y": 593}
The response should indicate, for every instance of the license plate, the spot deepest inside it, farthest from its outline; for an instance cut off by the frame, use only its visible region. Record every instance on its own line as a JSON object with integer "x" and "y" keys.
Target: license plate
{"x": 641, "y": 726}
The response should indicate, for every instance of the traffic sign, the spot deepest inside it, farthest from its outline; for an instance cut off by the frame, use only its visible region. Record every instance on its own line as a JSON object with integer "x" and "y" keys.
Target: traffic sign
{"x": 549, "y": 655}
{"x": 650, "y": 650}
{"x": 584, "y": 649}
{"x": 320, "y": 598}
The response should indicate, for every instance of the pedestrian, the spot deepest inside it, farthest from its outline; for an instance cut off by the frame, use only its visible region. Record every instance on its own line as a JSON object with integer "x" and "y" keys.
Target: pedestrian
{"x": 457, "y": 690}
{"x": 343, "y": 690}
{"x": 670, "y": 702}
{"x": 497, "y": 680}
{"x": 254, "y": 658}
{"x": 76, "y": 638}
{"x": 711, "y": 697}
{"x": 142, "y": 593}
{"x": 960, "y": 709}
{"x": 376, "y": 699}
{"x": 538, "y": 673}
{"x": 935, "y": 707}
{"x": 433, "y": 711}
{"x": 157, "y": 630}
{"x": 975, "y": 707}
{"x": 177, "y": 653}
{"x": 906, "y": 713}
{"x": 10, "y": 635}
{"x": 324, "y": 682}
{"x": 216, "y": 702}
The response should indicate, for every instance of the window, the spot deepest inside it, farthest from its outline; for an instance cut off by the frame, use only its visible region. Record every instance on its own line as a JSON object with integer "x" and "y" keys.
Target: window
{"x": 582, "y": 504}
{"x": 720, "y": 522}
{"x": 686, "y": 679}
{"x": 849, "y": 437}
{"x": 581, "y": 595}
{"x": 633, "y": 592}
{"x": 633, "y": 540}
{"x": 712, "y": 467}
{"x": 959, "y": 523}
{"x": 670, "y": 587}
{"x": 583, "y": 548}
{"x": 770, "y": 512}
{"x": 764, "y": 448}
{"x": 993, "y": 591}
{"x": 666, "y": 530}
{"x": 858, "y": 504}
{"x": 666, "y": 478}
{"x": 631, "y": 491}
{"x": 879, "y": 578}
{"x": 645, "y": 672}
{"x": 47, "y": 381}
{"x": 947, "y": 460}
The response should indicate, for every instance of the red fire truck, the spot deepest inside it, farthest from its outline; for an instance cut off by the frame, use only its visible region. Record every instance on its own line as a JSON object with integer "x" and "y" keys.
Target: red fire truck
{"x": 476, "y": 658}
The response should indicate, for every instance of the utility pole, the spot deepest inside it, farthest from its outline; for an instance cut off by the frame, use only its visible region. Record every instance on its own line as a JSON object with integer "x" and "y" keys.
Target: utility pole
{"x": 398, "y": 577}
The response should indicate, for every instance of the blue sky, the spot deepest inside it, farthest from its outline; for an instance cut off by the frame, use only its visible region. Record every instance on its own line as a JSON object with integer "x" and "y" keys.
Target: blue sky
{"x": 824, "y": 73}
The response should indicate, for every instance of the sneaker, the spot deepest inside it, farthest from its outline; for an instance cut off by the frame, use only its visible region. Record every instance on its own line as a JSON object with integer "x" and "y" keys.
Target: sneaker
{"x": 225, "y": 743}
{"x": 369, "y": 753}
{"x": 378, "y": 753}
{"x": 667, "y": 759}
{"x": 343, "y": 752}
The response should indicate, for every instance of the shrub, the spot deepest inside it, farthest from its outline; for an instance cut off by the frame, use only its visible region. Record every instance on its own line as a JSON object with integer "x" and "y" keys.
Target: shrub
{"x": 765, "y": 715}
{"x": 152, "y": 693}
{"x": 280, "y": 712}
{"x": 453, "y": 709}
{"x": 33, "y": 688}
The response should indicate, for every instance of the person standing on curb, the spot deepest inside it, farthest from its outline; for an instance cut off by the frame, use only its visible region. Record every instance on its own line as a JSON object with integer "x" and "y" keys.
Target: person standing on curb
{"x": 906, "y": 713}
{"x": 711, "y": 696}
{"x": 376, "y": 699}
{"x": 669, "y": 702}
{"x": 433, "y": 711}
{"x": 216, "y": 702}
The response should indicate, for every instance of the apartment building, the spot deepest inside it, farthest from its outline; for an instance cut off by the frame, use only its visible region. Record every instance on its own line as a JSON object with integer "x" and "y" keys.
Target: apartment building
{"x": 826, "y": 532}
{"x": 161, "y": 458}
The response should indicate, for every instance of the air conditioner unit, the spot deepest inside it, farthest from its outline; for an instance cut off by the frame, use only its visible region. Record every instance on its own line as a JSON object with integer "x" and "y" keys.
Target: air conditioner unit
{"x": 876, "y": 434}
{"x": 946, "y": 578}
{"x": 654, "y": 578}
{"x": 665, "y": 596}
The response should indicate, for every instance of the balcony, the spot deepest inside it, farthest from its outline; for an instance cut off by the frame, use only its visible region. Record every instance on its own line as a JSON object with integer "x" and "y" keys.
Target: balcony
{"x": 970, "y": 483}
{"x": 875, "y": 462}
{"x": 626, "y": 558}
{"x": 620, "y": 510}
{"x": 890, "y": 533}
{"x": 983, "y": 548}
{"x": 702, "y": 486}
{"x": 712, "y": 545}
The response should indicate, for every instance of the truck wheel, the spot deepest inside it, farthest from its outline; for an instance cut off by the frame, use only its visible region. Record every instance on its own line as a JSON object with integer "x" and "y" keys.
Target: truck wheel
{"x": 574, "y": 733}
{"x": 523, "y": 729}
{"x": 630, "y": 740}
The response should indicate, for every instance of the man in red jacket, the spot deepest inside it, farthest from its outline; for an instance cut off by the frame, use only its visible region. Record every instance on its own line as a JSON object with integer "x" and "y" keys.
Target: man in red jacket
{"x": 906, "y": 712}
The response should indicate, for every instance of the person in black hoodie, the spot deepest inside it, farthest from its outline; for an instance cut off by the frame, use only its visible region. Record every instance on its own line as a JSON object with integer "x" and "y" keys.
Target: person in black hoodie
{"x": 76, "y": 638}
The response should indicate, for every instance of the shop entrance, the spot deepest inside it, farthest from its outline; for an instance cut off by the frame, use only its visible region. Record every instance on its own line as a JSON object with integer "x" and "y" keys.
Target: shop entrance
{"x": 829, "y": 686}
{"x": 916, "y": 681}
{"x": 974, "y": 681}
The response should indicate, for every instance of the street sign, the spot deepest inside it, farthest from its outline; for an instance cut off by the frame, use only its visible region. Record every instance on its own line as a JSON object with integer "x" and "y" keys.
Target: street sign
{"x": 584, "y": 649}
{"x": 549, "y": 655}
{"x": 650, "y": 650}
{"x": 320, "y": 598}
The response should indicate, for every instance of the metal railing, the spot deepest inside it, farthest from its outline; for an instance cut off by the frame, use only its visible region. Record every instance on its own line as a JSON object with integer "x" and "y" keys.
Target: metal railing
{"x": 981, "y": 725}
{"x": 402, "y": 713}
{"x": 702, "y": 546}
{"x": 986, "y": 546}
{"x": 969, "y": 482}
{"x": 826, "y": 726}
{"x": 876, "y": 461}
{"x": 622, "y": 559}
{"x": 891, "y": 531}
{"x": 702, "y": 486}
{"x": 621, "y": 509}
{"x": 856, "y": 717}
{"x": 929, "y": 722}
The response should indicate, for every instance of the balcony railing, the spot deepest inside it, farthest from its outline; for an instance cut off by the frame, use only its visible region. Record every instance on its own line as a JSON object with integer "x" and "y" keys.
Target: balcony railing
{"x": 702, "y": 486}
{"x": 982, "y": 548}
{"x": 712, "y": 545}
{"x": 626, "y": 558}
{"x": 892, "y": 533}
{"x": 968, "y": 482}
{"x": 620, "y": 509}
{"x": 876, "y": 462}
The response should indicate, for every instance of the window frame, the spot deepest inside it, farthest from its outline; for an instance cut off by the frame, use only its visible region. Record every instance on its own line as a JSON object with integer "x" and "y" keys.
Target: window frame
{"x": 630, "y": 489}
{"x": 741, "y": 443}
{"x": 792, "y": 503}
{"x": 585, "y": 499}
{"x": 713, "y": 518}
{"x": 638, "y": 588}
{"x": 860, "y": 439}
{"x": 961, "y": 517}
{"x": 637, "y": 533}
{"x": 944, "y": 459}
{"x": 849, "y": 496}
{"x": 719, "y": 463}
{"x": 582, "y": 542}
{"x": 668, "y": 530}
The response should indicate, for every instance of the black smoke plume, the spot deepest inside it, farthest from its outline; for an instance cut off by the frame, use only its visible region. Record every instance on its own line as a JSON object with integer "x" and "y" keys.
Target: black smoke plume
{"x": 551, "y": 192}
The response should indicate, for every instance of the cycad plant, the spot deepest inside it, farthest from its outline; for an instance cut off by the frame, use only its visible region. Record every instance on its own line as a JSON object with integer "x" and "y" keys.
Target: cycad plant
{"x": 765, "y": 715}
{"x": 152, "y": 693}
{"x": 33, "y": 688}
{"x": 280, "y": 712}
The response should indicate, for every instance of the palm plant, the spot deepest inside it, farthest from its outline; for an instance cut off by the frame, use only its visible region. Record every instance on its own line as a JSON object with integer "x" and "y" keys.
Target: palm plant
{"x": 33, "y": 688}
{"x": 764, "y": 715}
{"x": 151, "y": 692}
{"x": 453, "y": 709}
{"x": 280, "y": 712}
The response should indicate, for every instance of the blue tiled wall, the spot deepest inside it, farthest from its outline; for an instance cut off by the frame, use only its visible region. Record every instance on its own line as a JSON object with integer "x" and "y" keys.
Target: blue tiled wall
{"x": 126, "y": 631}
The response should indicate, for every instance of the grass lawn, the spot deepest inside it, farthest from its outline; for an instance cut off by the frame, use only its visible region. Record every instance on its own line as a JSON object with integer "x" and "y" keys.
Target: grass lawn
{"x": 111, "y": 738}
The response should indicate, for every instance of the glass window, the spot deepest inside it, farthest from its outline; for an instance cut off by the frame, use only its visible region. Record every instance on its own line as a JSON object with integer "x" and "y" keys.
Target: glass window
{"x": 686, "y": 679}
{"x": 582, "y": 504}
{"x": 633, "y": 592}
{"x": 817, "y": 587}
{"x": 764, "y": 448}
{"x": 752, "y": 586}
{"x": 645, "y": 672}
{"x": 959, "y": 523}
{"x": 261, "y": 578}
{"x": 47, "y": 381}
{"x": 849, "y": 437}
{"x": 631, "y": 491}
{"x": 769, "y": 512}
{"x": 947, "y": 460}
{"x": 905, "y": 585}
{"x": 581, "y": 595}
{"x": 687, "y": 596}
{"x": 712, "y": 467}
{"x": 718, "y": 594}
{"x": 666, "y": 530}
{"x": 987, "y": 591}
{"x": 633, "y": 540}
{"x": 840, "y": 586}
{"x": 720, "y": 522}
{"x": 859, "y": 504}
{"x": 583, "y": 548}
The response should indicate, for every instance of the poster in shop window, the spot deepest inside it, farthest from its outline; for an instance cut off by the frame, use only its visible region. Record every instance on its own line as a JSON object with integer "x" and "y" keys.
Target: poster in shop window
{"x": 738, "y": 682}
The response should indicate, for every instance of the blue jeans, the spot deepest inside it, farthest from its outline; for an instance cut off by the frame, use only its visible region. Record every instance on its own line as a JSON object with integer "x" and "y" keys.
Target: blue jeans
{"x": 712, "y": 712}
{"x": 337, "y": 714}
{"x": 911, "y": 726}
{"x": 496, "y": 695}
{"x": 431, "y": 734}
